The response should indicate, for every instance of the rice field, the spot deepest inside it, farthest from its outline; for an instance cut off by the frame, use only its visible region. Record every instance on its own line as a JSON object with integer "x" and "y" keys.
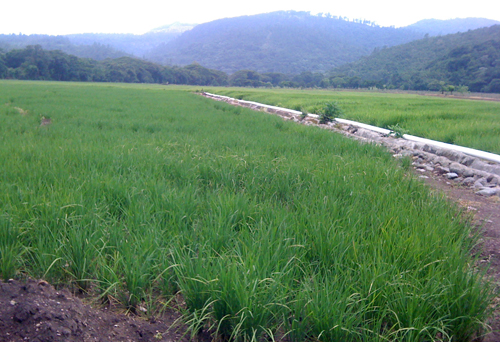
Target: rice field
{"x": 265, "y": 228}
{"x": 469, "y": 123}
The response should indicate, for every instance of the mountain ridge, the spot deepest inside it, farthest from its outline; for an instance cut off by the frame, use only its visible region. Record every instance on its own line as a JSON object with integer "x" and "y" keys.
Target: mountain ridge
{"x": 283, "y": 41}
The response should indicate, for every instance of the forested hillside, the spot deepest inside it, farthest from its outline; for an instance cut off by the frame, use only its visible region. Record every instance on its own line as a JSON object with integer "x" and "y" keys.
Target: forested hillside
{"x": 286, "y": 42}
{"x": 470, "y": 59}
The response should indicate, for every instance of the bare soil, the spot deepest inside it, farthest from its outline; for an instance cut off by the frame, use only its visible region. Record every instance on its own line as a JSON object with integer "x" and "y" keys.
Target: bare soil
{"x": 35, "y": 311}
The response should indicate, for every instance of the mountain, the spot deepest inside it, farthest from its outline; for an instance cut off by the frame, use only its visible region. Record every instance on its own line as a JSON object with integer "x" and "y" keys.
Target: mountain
{"x": 137, "y": 45}
{"x": 469, "y": 59}
{"x": 435, "y": 27}
{"x": 285, "y": 41}
{"x": 303, "y": 46}
{"x": 92, "y": 50}
{"x": 98, "y": 46}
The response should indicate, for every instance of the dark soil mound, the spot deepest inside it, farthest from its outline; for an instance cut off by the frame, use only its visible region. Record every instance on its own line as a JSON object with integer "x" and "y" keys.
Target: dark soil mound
{"x": 35, "y": 311}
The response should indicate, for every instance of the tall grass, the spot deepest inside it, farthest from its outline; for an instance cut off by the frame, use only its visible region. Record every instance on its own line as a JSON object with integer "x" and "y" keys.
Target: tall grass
{"x": 468, "y": 123}
{"x": 267, "y": 228}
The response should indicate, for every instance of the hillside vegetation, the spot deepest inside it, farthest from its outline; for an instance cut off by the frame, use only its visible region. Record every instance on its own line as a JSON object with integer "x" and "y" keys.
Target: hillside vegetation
{"x": 286, "y": 42}
{"x": 470, "y": 59}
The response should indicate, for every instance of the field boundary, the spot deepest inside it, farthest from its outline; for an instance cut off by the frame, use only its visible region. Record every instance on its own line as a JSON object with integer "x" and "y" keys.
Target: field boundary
{"x": 476, "y": 169}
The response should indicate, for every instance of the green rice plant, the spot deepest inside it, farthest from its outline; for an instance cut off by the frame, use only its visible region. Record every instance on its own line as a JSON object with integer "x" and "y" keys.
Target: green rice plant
{"x": 193, "y": 286}
{"x": 108, "y": 276}
{"x": 236, "y": 110}
{"x": 242, "y": 305}
{"x": 166, "y": 277}
{"x": 80, "y": 253}
{"x": 327, "y": 308}
{"x": 11, "y": 249}
{"x": 46, "y": 259}
{"x": 406, "y": 163}
{"x": 137, "y": 267}
{"x": 199, "y": 319}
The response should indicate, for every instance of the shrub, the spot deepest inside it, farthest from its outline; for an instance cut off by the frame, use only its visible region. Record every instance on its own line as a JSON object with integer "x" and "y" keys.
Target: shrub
{"x": 329, "y": 112}
{"x": 398, "y": 131}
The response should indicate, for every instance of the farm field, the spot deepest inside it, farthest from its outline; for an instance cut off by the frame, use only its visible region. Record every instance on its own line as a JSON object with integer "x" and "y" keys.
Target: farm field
{"x": 266, "y": 228}
{"x": 469, "y": 123}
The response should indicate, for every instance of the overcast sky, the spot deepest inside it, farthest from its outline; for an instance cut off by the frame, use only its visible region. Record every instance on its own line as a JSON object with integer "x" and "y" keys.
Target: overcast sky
{"x": 111, "y": 16}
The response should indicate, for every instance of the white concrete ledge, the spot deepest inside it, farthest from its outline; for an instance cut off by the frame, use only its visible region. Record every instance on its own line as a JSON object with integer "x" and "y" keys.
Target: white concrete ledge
{"x": 469, "y": 151}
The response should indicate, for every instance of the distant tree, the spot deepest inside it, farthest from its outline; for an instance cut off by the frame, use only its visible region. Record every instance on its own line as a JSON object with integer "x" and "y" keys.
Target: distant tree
{"x": 3, "y": 67}
{"x": 275, "y": 78}
{"x": 434, "y": 85}
{"x": 245, "y": 78}
{"x": 324, "y": 83}
{"x": 204, "y": 76}
{"x": 59, "y": 66}
{"x": 493, "y": 87}
{"x": 337, "y": 82}
{"x": 31, "y": 72}
{"x": 462, "y": 89}
{"x": 444, "y": 87}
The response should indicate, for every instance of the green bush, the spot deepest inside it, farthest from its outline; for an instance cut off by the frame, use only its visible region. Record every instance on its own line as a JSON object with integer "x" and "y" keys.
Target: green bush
{"x": 329, "y": 112}
{"x": 397, "y": 130}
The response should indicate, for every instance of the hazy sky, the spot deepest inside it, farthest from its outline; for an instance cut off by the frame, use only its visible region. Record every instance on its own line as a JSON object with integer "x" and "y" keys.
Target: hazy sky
{"x": 112, "y": 16}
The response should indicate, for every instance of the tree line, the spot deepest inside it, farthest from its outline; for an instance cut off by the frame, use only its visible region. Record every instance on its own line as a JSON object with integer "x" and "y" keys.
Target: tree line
{"x": 457, "y": 72}
{"x": 35, "y": 63}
